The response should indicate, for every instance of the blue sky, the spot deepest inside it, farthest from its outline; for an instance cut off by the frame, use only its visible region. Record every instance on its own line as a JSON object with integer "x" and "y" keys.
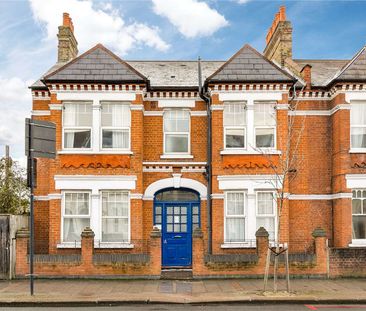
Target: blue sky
{"x": 158, "y": 29}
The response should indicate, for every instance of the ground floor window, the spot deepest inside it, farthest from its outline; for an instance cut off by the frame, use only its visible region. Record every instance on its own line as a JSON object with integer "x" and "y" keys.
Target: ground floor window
{"x": 115, "y": 216}
{"x": 359, "y": 214}
{"x": 76, "y": 215}
{"x": 107, "y": 214}
{"x": 244, "y": 214}
{"x": 234, "y": 217}
{"x": 266, "y": 212}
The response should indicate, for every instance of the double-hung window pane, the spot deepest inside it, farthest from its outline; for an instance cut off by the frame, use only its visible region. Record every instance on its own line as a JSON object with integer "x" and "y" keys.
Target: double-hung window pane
{"x": 266, "y": 212}
{"x": 265, "y": 125}
{"x": 358, "y": 125}
{"x": 359, "y": 214}
{"x": 235, "y": 217}
{"x": 235, "y": 125}
{"x": 77, "y": 124}
{"x": 115, "y": 216}
{"x": 176, "y": 131}
{"x": 76, "y": 215}
{"x": 116, "y": 122}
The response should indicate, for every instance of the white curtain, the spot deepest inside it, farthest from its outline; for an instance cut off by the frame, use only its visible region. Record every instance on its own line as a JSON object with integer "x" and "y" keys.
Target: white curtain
{"x": 73, "y": 227}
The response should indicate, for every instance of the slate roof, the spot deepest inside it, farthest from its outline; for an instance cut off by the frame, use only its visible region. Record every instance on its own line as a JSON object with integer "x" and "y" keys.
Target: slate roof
{"x": 322, "y": 70}
{"x": 96, "y": 65}
{"x": 175, "y": 73}
{"x": 248, "y": 65}
{"x": 355, "y": 70}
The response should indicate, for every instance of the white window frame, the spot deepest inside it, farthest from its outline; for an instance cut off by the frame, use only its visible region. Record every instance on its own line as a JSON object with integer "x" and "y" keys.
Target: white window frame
{"x": 244, "y": 217}
{"x": 113, "y": 217}
{"x": 114, "y": 128}
{"x": 65, "y": 129}
{"x": 63, "y": 215}
{"x": 356, "y": 149}
{"x": 358, "y": 242}
{"x": 274, "y": 127}
{"x": 177, "y": 133}
{"x": 230, "y": 127}
{"x": 274, "y": 215}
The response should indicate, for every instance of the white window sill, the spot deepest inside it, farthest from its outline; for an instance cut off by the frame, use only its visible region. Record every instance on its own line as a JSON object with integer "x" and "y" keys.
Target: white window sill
{"x": 239, "y": 245}
{"x": 357, "y": 150}
{"x": 238, "y": 151}
{"x": 96, "y": 245}
{"x": 176, "y": 156}
{"x": 94, "y": 152}
{"x": 358, "y": 243}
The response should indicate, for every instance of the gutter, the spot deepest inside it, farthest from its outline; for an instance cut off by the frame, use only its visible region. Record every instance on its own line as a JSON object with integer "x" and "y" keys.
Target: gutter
{"x": 207, "y": 98}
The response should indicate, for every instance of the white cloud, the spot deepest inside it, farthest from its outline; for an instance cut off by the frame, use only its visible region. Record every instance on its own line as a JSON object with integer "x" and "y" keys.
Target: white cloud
{"x": 15, "y": 103}
{"x": 191, "y": 17}
{"x": 101, "y": 24}
{"x": 242, "y": 1}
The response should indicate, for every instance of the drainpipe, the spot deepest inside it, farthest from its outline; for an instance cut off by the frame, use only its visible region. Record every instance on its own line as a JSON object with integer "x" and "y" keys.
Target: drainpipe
{"x": 206, "y": 97}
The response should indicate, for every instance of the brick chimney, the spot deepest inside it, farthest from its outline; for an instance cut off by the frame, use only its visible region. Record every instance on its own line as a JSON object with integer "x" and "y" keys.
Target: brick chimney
{"x": 67, "y": 44}
{"x": 306, "y": 75}
{"x": 279, "y": 39}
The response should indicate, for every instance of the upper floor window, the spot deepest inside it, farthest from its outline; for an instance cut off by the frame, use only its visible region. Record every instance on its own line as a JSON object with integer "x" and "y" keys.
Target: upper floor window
{"x": 358, "y": 125}
{"x": 77, "y": 125}
{"x": 235, "y": 125}
{"x": 176, "y": 131}
{"x": 359, "y": 214}
{"x": 264, "y": 125}
{"x": 115, "y": 126}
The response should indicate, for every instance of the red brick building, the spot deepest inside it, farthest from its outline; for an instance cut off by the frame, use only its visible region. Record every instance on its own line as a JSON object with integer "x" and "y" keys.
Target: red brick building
{"x": 140, "y": 146}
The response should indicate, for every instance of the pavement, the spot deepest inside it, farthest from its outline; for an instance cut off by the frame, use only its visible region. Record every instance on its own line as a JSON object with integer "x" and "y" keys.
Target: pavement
{"x": 105, "y": 292}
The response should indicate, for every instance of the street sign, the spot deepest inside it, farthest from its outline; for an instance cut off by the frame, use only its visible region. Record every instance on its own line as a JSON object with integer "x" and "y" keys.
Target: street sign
{"x": 40, "y": 142}
{"x": 40, "y": 139}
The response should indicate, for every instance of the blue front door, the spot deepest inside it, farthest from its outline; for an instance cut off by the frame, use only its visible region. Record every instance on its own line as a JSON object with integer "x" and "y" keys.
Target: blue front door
{"x": 177, "y": 234}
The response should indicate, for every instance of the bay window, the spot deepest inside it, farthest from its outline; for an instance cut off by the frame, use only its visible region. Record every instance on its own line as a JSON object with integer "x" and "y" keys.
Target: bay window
{"x": 77, "y": 125}
{"x": 264, "y": 125}
{"x": 234, "y": 217}
{"x": 115, "y": 216}
{"x": 76, "y": 215}
{"x": 359, "y": 214}
{"x": 235, "y": 125}
{"x": 115, "y": 125}
{"x": 358, "y": 124}
{"x": 266, "y": 212}
{"x": 176, "y": 131}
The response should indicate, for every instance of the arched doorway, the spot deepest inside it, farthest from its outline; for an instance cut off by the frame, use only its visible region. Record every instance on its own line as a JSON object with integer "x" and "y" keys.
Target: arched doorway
{"x": 177, "y": 214}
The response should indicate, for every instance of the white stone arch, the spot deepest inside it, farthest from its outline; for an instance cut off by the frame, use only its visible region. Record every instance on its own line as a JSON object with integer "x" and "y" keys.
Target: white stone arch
{"x": 175, "y": 182}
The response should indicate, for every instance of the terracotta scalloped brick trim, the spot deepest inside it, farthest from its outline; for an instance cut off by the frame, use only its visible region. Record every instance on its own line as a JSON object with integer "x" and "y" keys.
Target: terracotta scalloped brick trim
{"x": 359, "y": 165}
{"x": 249, "y": 161}
{"x": 95, "y": 161}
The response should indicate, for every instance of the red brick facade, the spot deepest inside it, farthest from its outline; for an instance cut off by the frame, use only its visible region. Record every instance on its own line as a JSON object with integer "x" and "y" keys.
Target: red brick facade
{"x": 317, "y": 195}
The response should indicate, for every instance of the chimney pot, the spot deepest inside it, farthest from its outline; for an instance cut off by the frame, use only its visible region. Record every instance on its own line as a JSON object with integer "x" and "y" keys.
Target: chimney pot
{"x": 282, "y": 13}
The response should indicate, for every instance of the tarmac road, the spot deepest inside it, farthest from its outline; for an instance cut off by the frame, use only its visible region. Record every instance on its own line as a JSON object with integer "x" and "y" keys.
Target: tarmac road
{"x": 180, "y": 307}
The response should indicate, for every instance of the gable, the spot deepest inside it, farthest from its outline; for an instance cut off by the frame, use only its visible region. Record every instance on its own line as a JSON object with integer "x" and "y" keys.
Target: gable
{"x": 96, "y": 65}
{"x": 355, "y": 70}
{"x": 248, "y": 65}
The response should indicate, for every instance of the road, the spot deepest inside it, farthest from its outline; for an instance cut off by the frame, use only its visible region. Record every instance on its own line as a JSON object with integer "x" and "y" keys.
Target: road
{"x": 211, "y": 307}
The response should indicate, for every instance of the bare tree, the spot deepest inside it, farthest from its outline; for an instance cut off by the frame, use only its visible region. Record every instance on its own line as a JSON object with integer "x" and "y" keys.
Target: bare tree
{"x": 285, "y": 167}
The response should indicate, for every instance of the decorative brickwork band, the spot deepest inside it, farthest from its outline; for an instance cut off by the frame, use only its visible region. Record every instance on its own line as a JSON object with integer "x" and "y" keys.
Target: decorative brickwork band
{"x": 249, "y": 162}
{"x": 95, "y": 161}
